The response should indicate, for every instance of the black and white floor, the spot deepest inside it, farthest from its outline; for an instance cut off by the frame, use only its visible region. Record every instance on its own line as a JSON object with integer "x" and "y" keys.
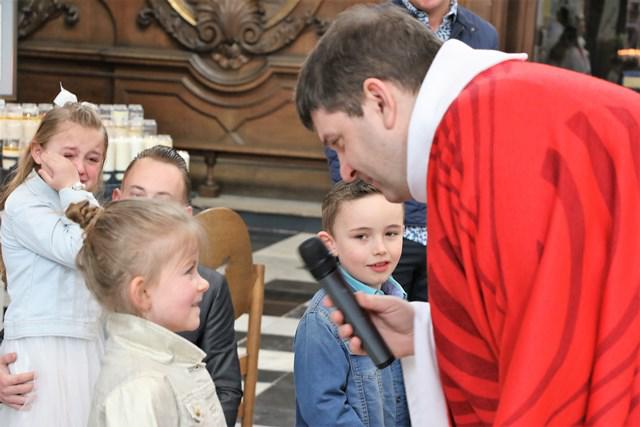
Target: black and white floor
{"x": 288, "y": 288}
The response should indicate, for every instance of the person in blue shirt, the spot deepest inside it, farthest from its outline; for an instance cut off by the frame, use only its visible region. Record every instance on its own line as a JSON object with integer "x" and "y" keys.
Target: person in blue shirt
{"x": 333, "y": 386}
{"x": 450, "y": 20}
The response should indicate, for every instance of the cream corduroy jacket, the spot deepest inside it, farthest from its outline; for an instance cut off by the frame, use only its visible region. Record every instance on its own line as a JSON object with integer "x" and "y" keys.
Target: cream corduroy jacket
{"x": 152, "y": 377}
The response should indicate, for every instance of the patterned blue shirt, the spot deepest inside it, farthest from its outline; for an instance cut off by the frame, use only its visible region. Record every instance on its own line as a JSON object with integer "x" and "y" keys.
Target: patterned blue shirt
{"x": 443, "y": 32}
{"x": 416, "y": 234}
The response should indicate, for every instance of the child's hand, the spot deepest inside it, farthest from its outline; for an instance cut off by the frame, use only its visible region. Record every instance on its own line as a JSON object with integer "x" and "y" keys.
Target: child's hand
{"x": 393, "y": 317}
{"x": 57, "y": 171}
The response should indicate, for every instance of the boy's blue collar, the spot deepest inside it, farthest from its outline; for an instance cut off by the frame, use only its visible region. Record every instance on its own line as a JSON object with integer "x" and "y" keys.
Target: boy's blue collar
{"x": 389, "y": 287}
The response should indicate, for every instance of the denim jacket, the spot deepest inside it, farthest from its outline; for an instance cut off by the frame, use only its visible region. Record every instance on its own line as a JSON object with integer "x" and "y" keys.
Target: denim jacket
{"x": 337, "y": 388}
{"x": 39, "y": 247}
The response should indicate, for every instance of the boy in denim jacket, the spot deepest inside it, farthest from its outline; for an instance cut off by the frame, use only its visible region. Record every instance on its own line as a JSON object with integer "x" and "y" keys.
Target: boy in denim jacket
{"x": 333, "y": 386}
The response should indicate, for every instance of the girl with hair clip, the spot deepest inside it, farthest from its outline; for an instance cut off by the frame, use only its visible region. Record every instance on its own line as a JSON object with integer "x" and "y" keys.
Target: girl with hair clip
{"x": 52, "y": 322}
{"x": 140, "y": 260}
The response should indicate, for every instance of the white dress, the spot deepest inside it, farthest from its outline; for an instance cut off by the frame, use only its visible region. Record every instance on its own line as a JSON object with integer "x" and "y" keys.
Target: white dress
{"x": 66, "y": 373}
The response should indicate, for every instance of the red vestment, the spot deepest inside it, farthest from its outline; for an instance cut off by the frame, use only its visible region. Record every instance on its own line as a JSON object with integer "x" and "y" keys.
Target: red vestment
{"x": 533, "y": 196}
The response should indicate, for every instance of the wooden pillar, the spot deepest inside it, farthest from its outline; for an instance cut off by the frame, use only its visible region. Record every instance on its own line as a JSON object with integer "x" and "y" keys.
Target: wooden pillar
{"x": 210, "y": 188}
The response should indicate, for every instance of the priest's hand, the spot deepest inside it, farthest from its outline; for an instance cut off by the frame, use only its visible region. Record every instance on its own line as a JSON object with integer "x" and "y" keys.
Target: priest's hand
{"x": 392, "y": 316}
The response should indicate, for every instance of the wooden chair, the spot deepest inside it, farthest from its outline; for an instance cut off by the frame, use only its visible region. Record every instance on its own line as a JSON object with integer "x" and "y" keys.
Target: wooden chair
{"x": 229, "y": 245}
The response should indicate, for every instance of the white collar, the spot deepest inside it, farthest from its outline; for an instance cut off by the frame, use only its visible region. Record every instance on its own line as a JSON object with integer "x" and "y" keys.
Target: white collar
{"x": 454, "y": 66}
{"x": 155, "y": 341}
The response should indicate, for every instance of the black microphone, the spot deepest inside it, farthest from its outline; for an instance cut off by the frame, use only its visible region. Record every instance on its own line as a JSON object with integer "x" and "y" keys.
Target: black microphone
{"x": 324, "y": 268}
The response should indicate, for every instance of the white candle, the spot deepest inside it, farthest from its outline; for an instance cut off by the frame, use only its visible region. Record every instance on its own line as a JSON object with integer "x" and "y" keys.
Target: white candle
{"x": 135, "y": 111}
{"x": 135, "y": 127}
{"x": 29, "y": 128}
{"x": 150, "y": 127}
{"x": 3, "y": 128}
{"x": 123, "y": 156}
{"x": 185, "y": 155}
{"x": 10, "y": 153}
{"x": 137, "y": 145}
{"x": 14, "y": 129}
{"x": 109, "y": 161}
{"x": 120, "y": 115}
{"x": 165, "y": 140}
{"x": 150, "y": 141}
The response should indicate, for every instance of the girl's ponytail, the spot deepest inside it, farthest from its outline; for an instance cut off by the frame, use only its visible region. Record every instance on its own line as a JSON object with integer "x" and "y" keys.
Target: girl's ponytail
{"x": 83, "y": 213}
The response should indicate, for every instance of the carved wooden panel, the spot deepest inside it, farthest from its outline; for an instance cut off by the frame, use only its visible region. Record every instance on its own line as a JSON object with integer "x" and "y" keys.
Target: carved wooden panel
{"x": 218, "y": 75}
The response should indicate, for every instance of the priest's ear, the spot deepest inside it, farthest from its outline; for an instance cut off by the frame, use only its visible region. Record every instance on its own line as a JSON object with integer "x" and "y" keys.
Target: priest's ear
{"x": 381, "y": 95}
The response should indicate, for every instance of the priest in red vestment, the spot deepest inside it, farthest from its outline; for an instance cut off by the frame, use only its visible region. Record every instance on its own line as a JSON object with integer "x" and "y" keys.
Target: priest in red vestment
{"x": 531, "y": 176}
{"x": 534, "y": 228}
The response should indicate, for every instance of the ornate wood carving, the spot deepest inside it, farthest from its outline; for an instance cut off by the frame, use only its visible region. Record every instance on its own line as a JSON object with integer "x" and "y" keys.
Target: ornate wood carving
{"x": 232, "y": 32}
{"x": 34, "y": 13}
{"x": 242, "y": 121}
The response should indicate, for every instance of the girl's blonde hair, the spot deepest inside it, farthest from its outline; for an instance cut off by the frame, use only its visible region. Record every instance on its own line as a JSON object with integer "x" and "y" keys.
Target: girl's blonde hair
{"x": 80, "y": 113}
{"x": 127, "y": 239}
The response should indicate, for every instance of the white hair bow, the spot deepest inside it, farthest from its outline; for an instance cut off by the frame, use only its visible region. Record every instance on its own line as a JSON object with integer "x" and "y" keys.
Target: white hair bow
{"x": 64, "y": 96}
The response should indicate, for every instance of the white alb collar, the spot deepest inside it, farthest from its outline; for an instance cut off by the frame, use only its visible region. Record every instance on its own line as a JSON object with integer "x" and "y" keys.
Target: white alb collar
{"x": 454, "y": 66}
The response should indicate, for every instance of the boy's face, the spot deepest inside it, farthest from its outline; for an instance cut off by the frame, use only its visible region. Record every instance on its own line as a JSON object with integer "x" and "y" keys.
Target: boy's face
{"x": 367, "y": 237}
{"x": 153, "y": 179}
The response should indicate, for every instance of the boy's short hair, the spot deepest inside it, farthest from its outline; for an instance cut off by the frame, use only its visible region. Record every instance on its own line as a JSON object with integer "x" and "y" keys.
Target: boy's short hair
{"x": 343, "y": 192}
{"x": 167, "y": 155}
{"x": 381, "y": 41}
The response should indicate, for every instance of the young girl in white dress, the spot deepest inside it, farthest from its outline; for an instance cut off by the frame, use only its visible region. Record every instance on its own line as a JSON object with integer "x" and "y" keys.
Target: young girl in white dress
{"x": 53, "y": 321}
{"x": 140, "y": 259}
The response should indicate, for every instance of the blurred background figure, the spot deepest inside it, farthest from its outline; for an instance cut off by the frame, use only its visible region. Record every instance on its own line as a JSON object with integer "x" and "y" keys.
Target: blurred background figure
{"x": 554, "y": 30}
{"x": 633, "y": 25}
{"x": 569, "y": 52}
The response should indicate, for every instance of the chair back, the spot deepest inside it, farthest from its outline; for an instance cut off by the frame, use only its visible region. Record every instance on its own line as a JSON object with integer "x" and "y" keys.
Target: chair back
{"x": 228, "y": 245}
